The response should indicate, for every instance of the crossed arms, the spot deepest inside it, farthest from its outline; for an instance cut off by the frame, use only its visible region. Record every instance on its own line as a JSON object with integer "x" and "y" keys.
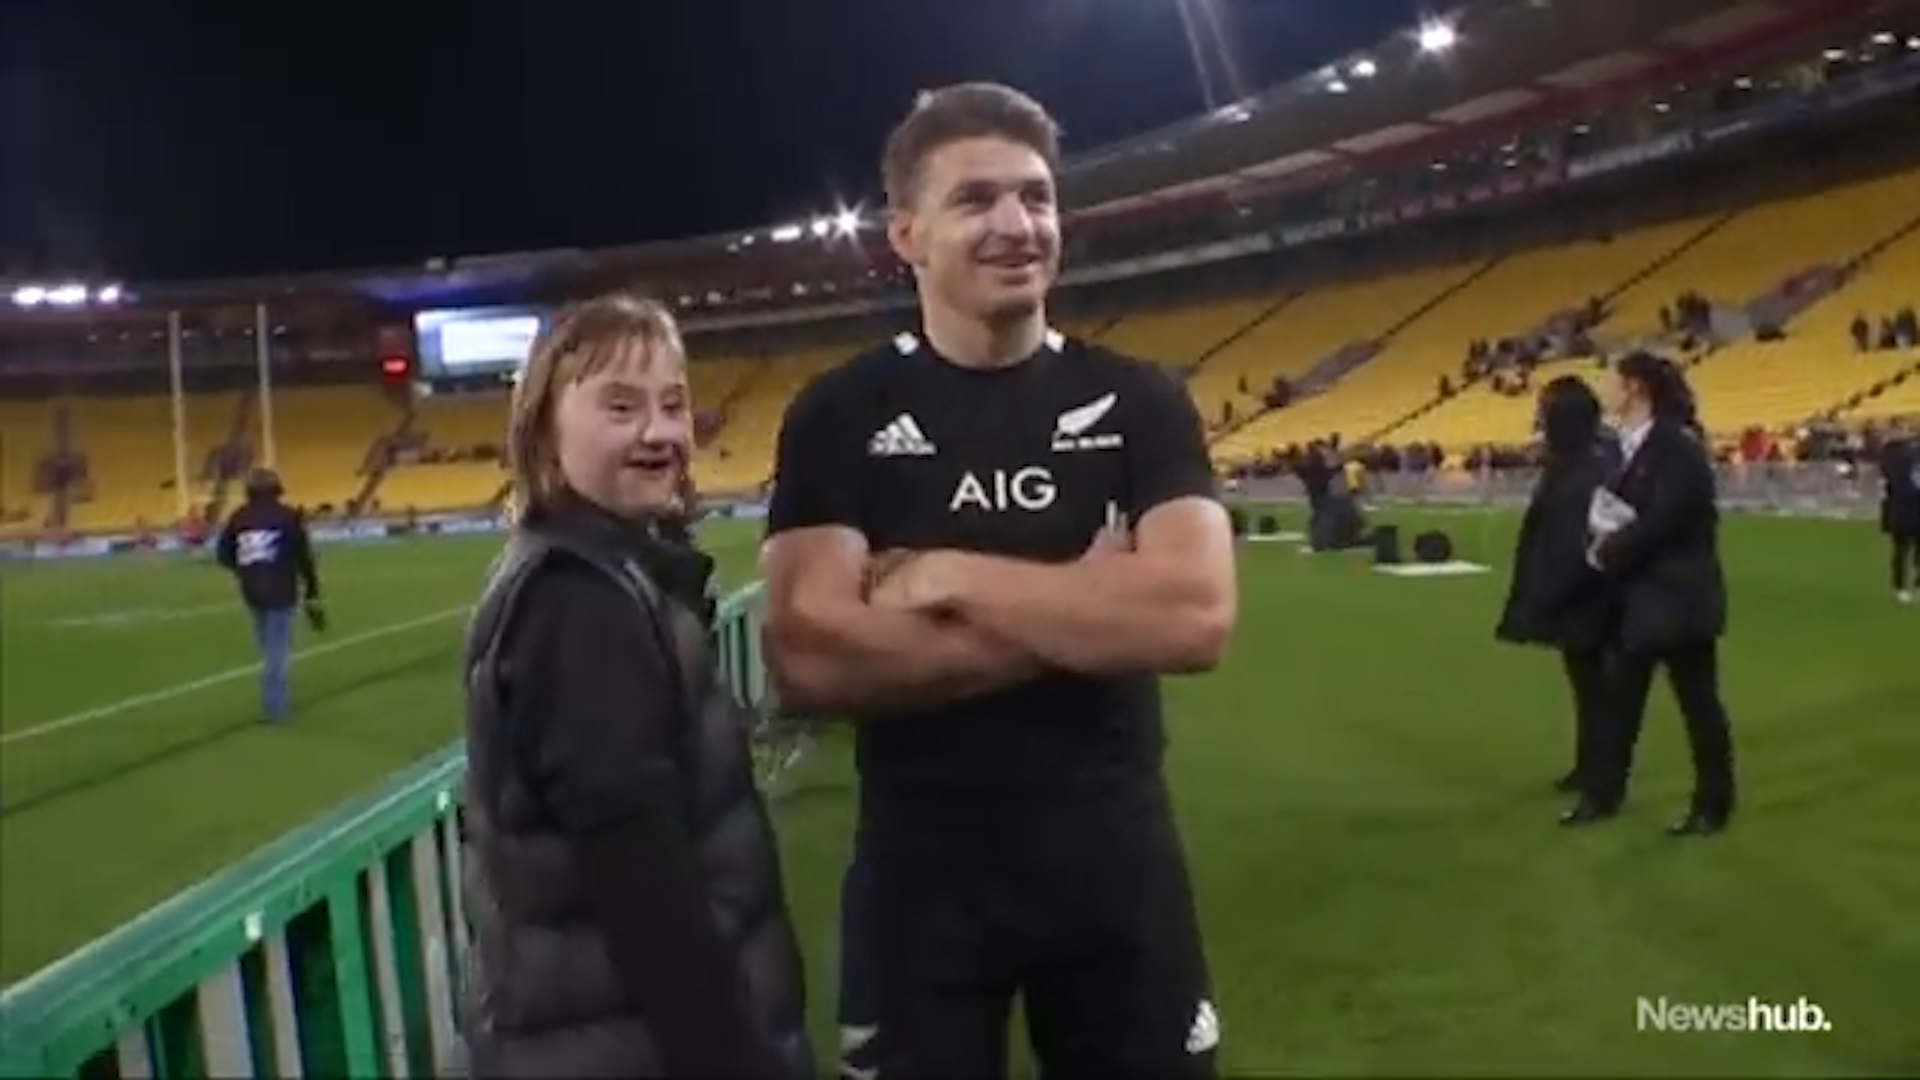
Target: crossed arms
{"x": 947, "y": 625}
{"x": 941, "y": 626}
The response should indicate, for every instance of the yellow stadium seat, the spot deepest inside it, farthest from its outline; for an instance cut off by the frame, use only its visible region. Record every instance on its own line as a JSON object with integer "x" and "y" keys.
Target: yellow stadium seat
{"x": 322, "y": 436}
{"x": 26, "y": 436}
{"x": 450, "y": 422}
{"x": 1763, "y": 245}
{"x": 129, "y": 445}
{"x": 740, "y": 458}
{"x": 1378, "y": 392}
{"x": 1178, "y": 336}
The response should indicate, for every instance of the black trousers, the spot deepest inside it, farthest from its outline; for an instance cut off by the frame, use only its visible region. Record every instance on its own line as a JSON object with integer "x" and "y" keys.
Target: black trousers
{"x": 1083, "y": 910}
{"x": 1905, "y": 561}
{"x": 1586, "y": 672}
{"x": 1694, "y": 675}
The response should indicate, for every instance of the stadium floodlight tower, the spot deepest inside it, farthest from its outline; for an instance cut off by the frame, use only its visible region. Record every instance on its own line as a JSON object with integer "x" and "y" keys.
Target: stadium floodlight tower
{"x": 1436, "y": 37}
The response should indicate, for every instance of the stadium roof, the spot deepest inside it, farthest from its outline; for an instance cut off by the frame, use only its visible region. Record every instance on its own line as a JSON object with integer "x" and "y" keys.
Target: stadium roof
{"x": 1495, "y": 62}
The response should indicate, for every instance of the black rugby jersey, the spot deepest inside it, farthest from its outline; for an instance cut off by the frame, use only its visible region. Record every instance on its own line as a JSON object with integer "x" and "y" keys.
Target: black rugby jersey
{"x": 1025, "y": 461}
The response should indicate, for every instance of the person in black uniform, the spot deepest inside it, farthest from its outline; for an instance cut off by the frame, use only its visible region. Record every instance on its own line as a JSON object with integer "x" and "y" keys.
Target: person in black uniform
{"x": 1900, "y": 511}
{"x": 1552, "y": 599}
{"x": 1014, "y": 819}
{"x": 1659, "y": 565}
{"x": 266, "y": 547}
{"x": 623, "y": 879}
{"x": 1316, "y": 471}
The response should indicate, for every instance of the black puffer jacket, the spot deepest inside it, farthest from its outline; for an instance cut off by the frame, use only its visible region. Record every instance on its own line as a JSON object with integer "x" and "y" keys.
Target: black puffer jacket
{"x": 544, "y": 998}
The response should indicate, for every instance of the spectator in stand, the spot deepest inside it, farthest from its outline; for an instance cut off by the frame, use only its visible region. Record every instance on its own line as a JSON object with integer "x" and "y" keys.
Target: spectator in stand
{"x": 1862, "y": 332}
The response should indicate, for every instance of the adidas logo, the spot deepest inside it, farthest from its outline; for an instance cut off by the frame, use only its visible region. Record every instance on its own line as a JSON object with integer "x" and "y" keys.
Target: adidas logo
{"x": 901, "y": 438}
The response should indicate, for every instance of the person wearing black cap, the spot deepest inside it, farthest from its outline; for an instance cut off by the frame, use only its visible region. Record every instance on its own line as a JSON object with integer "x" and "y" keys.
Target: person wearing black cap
{"x": 266, "y": 547}
{"x": 1656, "y": 550}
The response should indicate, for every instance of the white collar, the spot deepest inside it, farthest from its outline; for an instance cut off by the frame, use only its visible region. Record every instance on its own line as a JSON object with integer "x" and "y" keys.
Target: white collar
{"x": 1631, "y": 438}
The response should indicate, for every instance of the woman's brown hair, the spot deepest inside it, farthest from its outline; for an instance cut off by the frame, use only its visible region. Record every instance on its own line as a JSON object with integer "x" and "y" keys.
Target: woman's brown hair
{"x": 579, "y": 343}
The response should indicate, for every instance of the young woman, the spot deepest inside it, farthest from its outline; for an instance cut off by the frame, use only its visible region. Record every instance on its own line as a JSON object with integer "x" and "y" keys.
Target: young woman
{"x": 1656, "y": 549}
{"x": 623, "y": 882}
{"x": 1553, "y": 599}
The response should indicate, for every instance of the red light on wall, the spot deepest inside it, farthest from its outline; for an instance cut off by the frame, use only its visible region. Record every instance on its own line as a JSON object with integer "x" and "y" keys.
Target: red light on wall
{"x": 395, "y": 367}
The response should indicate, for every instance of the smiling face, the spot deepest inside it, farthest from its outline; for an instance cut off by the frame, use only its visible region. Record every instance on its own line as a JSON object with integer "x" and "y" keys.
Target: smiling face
{"x": 603, "y": 410}
{"x": 983, "y": 229}
{"x": 970, "y": 189}
{"x": 623, "y": 434}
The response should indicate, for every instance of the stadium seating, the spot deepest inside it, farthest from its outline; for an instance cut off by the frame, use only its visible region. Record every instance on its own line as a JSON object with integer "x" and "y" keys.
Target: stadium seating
{"x": 322, "y": 436}
{"x": 1887, "y": 282}
{"x": 450, "y": 422}
{"x": 1730, "y": 259}
{"x": 1323, "y": 321}
{"x": 128, "y": 442}
{"x": 723, "y": 385}
{"x": 26, "y": 436}
{"x": 1761, "y": 246}
{"x": 741, "y": 458}
{"x": 1516, "y": 296}
{"x": 1235, "y": 348}
{"x": 1179, "y": 335}
{"x": 1783, "y": 384}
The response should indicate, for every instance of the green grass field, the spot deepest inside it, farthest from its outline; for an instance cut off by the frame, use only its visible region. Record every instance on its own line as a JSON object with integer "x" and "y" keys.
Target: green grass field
{"x": 1364, "y": 789}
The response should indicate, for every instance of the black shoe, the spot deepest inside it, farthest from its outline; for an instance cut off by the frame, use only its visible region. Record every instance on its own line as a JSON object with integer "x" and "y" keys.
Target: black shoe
{"x": 1568, "y": 784}
{"x": 1699, "y": 823}
{"x": 1589, "y": 812}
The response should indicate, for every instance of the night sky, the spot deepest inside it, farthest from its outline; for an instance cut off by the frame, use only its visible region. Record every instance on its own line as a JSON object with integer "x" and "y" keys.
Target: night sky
{"x": 192, "y": 138}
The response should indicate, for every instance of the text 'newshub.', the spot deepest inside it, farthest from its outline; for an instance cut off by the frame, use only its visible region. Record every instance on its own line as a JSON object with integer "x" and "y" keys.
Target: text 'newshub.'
{"x": 1752, "y": 1016}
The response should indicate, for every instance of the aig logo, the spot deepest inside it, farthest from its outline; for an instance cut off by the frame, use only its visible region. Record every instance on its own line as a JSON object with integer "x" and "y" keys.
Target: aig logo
{"x": 1030, "y": 489}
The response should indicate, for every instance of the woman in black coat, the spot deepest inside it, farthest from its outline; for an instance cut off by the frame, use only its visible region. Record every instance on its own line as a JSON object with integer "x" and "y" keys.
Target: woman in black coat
{"x": 1656, "y": 550}
{"x": 1552, "y": 599}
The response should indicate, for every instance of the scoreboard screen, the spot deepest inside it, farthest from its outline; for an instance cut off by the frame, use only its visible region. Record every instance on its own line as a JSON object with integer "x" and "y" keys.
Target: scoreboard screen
{"x": 463, "y": 343}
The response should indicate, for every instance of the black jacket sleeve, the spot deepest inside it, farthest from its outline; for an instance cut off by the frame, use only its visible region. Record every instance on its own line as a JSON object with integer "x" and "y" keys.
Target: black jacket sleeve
{"x": 600, "y": 731}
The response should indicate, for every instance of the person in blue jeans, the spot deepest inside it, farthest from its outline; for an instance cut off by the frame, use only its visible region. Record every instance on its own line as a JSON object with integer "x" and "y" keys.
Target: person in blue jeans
{"x": 265, "y": 546}
{"x": 273, "y": 636}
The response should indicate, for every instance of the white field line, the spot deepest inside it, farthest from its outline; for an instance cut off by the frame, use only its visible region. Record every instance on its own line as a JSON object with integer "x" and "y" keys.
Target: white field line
{"x": 137, "y": 618}
{"x": 192, "y": 686}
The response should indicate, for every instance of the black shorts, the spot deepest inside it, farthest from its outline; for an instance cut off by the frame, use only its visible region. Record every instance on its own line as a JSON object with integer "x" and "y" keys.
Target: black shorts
{"x": 1081, "y": 906}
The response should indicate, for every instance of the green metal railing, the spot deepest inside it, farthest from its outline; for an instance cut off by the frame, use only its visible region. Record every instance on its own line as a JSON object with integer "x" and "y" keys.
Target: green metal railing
{"x": 337, "y": 951}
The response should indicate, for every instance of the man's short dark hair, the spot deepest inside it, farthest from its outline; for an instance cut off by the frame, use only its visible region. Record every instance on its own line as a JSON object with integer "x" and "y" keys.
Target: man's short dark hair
{"x": 949, "y": 115}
